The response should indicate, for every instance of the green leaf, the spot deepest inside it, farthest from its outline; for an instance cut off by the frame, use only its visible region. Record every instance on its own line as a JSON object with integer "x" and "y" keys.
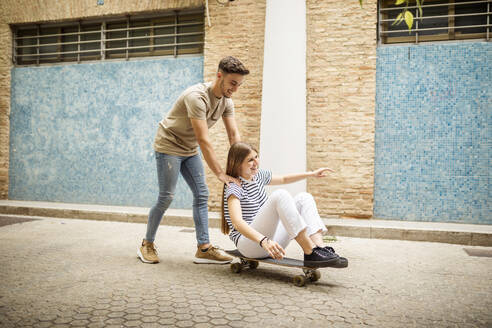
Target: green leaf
{"x": 398, "y": 19}
{"x": 420, "y": 8}
{"x": 409, "y": 20}
{"x": 399, "y": 2}
{"x": 328, "y": 239}
{"x": 360, "y": 1}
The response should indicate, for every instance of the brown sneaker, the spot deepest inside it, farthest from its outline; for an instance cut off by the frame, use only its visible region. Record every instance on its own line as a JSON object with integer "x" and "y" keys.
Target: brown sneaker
{"x": 212, "y": 255}
{"x": 147, "y": 252}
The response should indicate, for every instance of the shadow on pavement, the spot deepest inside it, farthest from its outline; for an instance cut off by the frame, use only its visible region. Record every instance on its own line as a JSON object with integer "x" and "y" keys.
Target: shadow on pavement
{"x": 8, "y": 220}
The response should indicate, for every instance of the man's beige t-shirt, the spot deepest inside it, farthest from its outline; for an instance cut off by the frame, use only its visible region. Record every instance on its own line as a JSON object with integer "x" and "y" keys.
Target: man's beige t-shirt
{"x": 175, "y": 135}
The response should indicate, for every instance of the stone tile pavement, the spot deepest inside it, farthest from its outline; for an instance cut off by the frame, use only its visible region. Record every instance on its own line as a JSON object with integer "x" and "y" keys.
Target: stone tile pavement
{"x": 78, "y": 273}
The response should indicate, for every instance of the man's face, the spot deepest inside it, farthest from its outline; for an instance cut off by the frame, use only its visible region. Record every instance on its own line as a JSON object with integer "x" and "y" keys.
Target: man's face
{"x": 229, "y": 83}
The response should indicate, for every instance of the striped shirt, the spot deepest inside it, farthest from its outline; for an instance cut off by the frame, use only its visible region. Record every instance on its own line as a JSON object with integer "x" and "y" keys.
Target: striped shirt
{"x": 251, "y": 195}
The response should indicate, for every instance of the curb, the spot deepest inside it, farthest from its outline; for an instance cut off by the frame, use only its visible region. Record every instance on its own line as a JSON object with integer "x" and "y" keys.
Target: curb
{"x": 173, "y": 217}
{"x": 443, "y": 235}
{"x": 452, "y": 233}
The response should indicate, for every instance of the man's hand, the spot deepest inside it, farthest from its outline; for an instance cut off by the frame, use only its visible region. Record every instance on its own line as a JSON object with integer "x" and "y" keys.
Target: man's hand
{"x": 321, "y": 172}
{"x": 226, "y": 179}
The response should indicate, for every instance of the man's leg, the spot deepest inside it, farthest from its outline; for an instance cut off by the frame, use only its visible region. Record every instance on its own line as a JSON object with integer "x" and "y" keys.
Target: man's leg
{"x": 167, "y": 175}
{"x": 194, "y": 175}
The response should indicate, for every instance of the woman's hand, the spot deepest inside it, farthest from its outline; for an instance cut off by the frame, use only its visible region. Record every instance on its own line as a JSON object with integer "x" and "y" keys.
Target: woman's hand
{"x": 273, "y": 248}
{"x": 321, "y": 172}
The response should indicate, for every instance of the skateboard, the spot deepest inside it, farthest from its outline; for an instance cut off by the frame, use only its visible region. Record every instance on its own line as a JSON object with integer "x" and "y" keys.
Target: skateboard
{"x": 310, "y": 273}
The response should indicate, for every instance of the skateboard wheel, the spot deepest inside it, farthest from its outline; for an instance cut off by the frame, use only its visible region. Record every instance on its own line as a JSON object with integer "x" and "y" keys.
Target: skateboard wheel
{"x": 315, "y": 275}
{"x": 236, "y": 267}
{"x": 299, "y": 281}
{"x": 253, "y": 264}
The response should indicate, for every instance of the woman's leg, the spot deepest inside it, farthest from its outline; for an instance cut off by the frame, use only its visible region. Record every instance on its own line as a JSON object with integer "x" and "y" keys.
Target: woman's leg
{"x": 265, "y": 222}
{"x": 282, "y": 237}
{"x": 279, "y": 209}
{"x": 306, "y": 206}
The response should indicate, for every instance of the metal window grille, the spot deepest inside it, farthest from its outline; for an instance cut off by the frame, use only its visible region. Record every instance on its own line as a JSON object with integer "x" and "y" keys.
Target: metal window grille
{"x": 170, "y": 34}
{"x": 442, "y": 20}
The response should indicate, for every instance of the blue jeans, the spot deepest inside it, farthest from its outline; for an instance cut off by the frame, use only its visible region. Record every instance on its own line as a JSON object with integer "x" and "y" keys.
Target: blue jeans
{"x": 168, "y": 169}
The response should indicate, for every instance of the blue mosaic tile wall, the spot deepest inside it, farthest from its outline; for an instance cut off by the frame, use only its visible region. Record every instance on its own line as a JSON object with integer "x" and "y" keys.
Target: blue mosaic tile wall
{"x": 433, "y": 133}
{"x": 83, "y": 133}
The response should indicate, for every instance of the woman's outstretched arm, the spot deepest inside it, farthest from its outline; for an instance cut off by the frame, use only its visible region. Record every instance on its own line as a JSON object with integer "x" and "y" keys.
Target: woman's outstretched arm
{"x": 294, "y": 177}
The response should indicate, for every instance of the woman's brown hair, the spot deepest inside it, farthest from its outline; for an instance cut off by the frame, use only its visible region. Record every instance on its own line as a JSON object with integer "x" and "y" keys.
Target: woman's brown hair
{"x": 237, "y": 153}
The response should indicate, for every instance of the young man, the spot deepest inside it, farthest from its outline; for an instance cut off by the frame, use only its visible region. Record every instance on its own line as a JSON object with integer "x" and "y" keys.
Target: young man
{"x": 176, "y": 148}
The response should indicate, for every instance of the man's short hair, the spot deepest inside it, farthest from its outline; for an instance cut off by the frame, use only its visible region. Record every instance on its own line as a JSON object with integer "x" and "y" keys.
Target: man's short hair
{"x": 231, "y": 64}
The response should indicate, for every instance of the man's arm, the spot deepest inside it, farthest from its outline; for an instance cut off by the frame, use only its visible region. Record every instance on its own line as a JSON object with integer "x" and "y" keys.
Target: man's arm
{"x": 201, "y": 132}
{"x": 231, "y": 128}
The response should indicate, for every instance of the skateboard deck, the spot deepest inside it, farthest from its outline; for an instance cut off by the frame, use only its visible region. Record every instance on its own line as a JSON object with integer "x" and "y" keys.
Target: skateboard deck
{"x": 310, "y": 273}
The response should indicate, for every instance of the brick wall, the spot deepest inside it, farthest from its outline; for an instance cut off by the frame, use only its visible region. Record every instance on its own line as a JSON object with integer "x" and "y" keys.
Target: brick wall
{"x": 238, "y": 30}
{"x": 5, "y": 60}
{"x": 341, "y": 68}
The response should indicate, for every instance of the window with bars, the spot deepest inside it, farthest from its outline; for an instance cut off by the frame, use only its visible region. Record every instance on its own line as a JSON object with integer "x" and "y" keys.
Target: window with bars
{"x": 440, "y": 21}
{"x": 169, "y": 34}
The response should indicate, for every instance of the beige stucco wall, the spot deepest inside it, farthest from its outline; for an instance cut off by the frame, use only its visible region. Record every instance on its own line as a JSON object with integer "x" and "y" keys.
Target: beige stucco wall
{"x": 341, "y": 62}
{"x": 341, "y": 84}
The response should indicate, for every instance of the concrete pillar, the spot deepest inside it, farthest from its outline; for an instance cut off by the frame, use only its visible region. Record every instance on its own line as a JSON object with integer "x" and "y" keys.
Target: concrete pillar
{"x": 283, "y": 113}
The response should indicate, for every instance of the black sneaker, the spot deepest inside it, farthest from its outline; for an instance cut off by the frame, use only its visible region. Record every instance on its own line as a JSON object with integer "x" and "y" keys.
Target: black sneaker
{"x": 320, "y": 259}
{"x": 342, "y": 261}
{"x": 329, "y": 249}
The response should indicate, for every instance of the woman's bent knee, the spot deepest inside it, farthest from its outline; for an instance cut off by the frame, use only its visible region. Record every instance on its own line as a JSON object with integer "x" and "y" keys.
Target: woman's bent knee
{"x": 280, "y": 194}
{"x": 303, "y": 196}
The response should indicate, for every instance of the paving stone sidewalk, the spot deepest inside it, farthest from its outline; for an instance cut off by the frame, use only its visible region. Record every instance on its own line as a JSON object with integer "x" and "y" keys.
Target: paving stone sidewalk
{"x": 77, "y": 273}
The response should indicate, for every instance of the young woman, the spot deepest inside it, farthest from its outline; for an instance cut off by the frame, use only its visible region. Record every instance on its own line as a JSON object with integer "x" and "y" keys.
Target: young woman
{"x": 262, "y": 226}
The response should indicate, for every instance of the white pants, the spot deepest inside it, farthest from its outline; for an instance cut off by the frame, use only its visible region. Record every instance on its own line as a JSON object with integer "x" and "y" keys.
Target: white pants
{"x": 281, "y": 219}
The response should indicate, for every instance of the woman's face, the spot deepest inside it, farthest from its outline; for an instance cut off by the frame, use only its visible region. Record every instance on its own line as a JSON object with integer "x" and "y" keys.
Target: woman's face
{"x": 249, "y": 166}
